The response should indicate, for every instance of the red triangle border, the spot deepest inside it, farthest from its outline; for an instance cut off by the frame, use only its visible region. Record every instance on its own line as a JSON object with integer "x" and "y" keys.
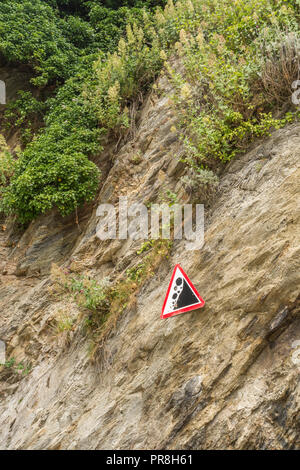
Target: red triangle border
{"x": 185, "y": 309}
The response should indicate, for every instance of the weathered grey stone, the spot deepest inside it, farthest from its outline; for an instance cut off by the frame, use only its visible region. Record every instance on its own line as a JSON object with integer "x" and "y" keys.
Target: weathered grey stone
{"x": 225, "y": 376}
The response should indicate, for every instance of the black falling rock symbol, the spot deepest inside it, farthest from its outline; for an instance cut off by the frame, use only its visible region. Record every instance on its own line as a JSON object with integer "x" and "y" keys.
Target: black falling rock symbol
{"x": 186, "y": 297}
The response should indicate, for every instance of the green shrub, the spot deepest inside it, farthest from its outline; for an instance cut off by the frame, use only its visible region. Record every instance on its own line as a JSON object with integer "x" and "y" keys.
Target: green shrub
{"x": 110, "y": 25}
{"x": 25, "y": 113}
{"x": 128, "y": 72}
{"x": 7, "y": 166}
{"x": 221, "y": 98}
{"x": 54, "y": 169}
{"x": 31, "y": 33}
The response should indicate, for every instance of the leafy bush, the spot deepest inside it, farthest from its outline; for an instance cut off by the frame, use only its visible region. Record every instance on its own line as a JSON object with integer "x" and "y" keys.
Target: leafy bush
{"x": 221, "y": 95}
{"x": 110, "y": 25}
{"x": 130, "y": 70}
{"x": 25, "y": 113}
{"x": 7, "y": 165}
{"x": 31, "y": 33}
{"x": 79, "y": 32}
{"x": 54, "y": 169}
{"x": 7, "y": 168}
{"x": 123, "y": 75}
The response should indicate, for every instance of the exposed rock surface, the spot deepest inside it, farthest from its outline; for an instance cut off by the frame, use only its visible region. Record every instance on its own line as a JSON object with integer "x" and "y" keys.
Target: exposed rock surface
{"x": 225, "y": 376}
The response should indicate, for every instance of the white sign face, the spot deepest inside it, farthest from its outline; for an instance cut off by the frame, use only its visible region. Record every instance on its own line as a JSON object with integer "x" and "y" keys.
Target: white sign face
{"x": 2, "y": 352}
{"x": 2, "y": 92}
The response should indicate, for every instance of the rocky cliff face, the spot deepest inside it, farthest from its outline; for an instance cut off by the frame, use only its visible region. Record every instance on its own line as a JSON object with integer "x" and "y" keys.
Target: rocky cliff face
{"x": 225, "y": 376}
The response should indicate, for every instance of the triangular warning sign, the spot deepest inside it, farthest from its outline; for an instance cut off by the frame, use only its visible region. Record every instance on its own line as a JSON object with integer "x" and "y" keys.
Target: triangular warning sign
{"x": 181, "y": 295}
